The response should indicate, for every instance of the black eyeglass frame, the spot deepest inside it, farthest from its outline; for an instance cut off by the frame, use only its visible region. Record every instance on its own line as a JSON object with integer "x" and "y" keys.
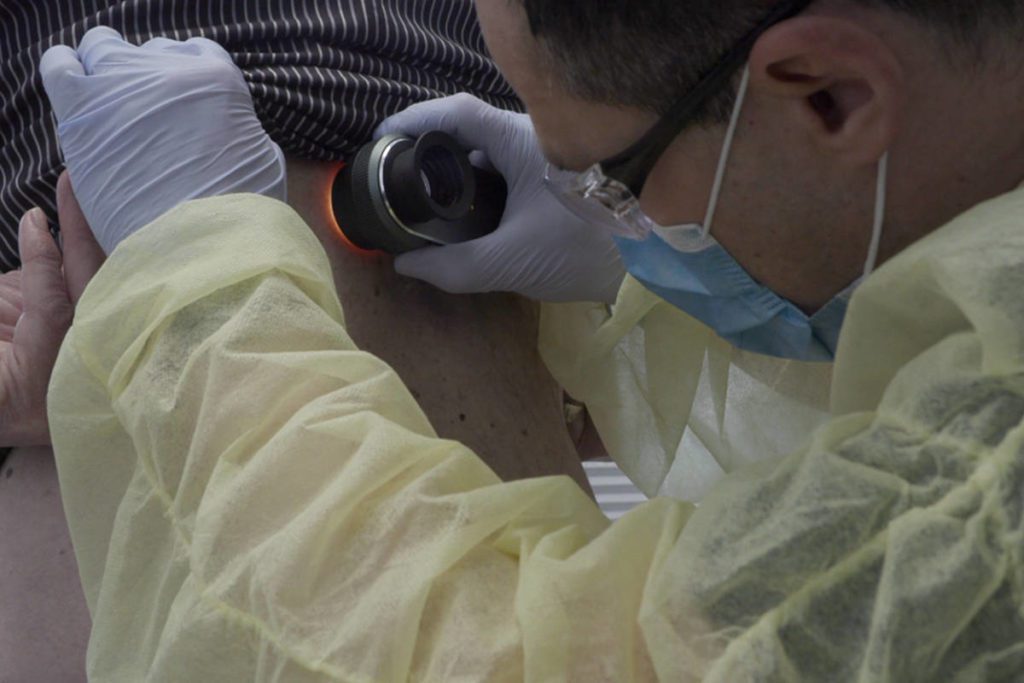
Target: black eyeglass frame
{"x": 632, "y": 167}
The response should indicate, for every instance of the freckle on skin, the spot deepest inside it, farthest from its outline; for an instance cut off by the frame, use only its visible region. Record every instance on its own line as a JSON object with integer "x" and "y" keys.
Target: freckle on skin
{"x": 10, "y": 471}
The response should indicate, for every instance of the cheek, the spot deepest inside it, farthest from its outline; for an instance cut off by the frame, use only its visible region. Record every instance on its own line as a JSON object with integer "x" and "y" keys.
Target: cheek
{"x": 498, "y": 25}
{"x": 679, "y": 186}
{"x": 560, "y": 142}
{"x": 549, "y": 135}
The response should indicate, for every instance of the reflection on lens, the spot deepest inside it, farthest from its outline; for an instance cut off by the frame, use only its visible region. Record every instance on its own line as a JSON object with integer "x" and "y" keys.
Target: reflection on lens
{"x": 442, "y": 176}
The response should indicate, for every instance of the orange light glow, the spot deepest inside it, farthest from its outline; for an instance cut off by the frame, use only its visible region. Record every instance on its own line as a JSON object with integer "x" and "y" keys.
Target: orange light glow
{"x": 332, "y": 217}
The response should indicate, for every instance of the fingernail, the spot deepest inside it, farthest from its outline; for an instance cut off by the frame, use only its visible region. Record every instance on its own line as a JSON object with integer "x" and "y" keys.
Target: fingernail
{"x": 37, "y": 219}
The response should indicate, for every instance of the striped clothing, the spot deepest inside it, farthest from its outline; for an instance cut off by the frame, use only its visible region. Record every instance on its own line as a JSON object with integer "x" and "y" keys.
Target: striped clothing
{"x": 615, "y": 493}
{"x": 323, "y": 73}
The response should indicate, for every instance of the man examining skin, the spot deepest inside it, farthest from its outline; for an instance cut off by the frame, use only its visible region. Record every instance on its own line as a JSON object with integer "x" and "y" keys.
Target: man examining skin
{"x": 319, "y": 88}
{"x": 885, "y": 548}
{"x": 496, "y": 396}
{"x": 471, "y": 362}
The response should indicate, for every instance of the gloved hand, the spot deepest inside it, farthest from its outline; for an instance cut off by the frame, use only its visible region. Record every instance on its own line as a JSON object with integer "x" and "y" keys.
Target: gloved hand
{"x": 541, "y": 249}
{"x": 144, "y": 129}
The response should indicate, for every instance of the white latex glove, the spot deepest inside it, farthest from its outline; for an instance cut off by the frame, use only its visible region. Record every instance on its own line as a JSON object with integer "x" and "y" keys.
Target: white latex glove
{"x": 144, "y": 129}
{"x": 541, "y": 250}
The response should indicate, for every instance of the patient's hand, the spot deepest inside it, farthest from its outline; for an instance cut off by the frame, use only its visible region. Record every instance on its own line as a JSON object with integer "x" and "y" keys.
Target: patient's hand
{"x": 36, "y": 309}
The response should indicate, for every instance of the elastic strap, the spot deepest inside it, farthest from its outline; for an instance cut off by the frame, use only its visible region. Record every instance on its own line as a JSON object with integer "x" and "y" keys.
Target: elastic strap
{"x": 723, "y": 160}
{"x": 880, "y": 199}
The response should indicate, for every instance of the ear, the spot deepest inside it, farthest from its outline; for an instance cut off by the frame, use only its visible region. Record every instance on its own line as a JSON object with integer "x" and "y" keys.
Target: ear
{"x": 844, "y": 83}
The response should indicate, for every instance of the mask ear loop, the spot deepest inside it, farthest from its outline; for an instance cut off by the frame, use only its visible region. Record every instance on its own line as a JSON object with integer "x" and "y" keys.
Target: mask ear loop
{"x": 880, "y": 201}
{"x": 723, "y": 160}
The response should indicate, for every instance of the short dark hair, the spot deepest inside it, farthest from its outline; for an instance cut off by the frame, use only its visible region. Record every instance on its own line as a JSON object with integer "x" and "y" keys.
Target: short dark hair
{"x": 596, "y": 46}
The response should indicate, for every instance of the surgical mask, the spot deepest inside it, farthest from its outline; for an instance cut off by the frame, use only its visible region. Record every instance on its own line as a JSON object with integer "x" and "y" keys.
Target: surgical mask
{"x": 687, "y": 267}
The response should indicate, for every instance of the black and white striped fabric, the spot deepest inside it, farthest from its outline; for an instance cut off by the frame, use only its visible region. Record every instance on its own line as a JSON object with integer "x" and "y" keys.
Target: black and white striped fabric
{"x": 323, "y": 73}
{"x": 616, "y": 495}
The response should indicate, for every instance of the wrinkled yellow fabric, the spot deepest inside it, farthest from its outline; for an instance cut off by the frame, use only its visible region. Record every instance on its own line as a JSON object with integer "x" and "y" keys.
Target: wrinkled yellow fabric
{"x": 251, "y": 498}
{"x": 676, "y": 406}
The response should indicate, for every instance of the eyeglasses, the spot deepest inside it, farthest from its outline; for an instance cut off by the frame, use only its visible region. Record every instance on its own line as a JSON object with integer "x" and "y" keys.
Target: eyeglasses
{"x": 607, "y": 193}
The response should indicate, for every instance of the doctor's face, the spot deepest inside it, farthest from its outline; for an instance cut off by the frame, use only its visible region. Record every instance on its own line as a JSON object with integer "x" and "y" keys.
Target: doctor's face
{"x": 576, "y": 134}
{"x": 776, "y": 197}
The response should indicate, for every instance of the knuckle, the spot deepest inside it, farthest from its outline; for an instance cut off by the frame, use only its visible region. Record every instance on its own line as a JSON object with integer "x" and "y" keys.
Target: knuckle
{"x": 463, "y": 99}
{"x": 465, "y": 104}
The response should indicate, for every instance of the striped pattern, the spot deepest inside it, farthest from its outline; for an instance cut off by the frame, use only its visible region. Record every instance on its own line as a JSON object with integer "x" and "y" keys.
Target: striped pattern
{"x": 616, "y": 495}
{"x": 323, "y": 73}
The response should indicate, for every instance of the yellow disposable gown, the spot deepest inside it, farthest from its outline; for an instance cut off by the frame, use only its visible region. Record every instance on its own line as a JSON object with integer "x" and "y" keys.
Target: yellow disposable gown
{"x": 251, "y": 498}
{"x": 676, "y": 406}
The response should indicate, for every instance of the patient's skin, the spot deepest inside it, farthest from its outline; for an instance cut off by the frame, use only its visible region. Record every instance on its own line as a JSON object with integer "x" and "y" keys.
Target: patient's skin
{"x": 44, "y": 623}
{"x": 471, "y": 362}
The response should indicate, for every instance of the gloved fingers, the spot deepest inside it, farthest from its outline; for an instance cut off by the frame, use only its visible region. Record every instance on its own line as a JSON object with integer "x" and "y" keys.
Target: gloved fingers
{"x": 158, "y": 44}
{"x": 164, "y": 46}
{"x": 453, "y": 268}
{"x": 211, "y": 48}
{"x": 60, "y": 68}
{"x": 58, "y": 61}
{"x": 83, "y": 256}
{"x": 473, "y": 122}
{"x": 97, "y": 36}
{"x": 100, "y": 47}
{"x": 47, "y": 308}
{"x": 479, "y": 159}
{"x": 196, "y": 47}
